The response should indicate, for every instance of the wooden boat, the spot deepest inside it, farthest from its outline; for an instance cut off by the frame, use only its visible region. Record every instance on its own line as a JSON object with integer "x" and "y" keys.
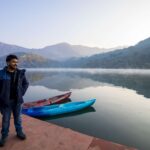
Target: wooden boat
{"x": 53, "y": 100}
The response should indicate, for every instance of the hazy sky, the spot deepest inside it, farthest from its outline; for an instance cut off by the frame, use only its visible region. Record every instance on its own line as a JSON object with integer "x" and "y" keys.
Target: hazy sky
{"x": 100, "y": 23}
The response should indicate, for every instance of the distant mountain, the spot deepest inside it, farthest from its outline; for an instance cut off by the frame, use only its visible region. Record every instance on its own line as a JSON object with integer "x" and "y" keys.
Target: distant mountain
{"x": 61, "y": 51}
{"x": 30, "y": 60}
{"x": 88, "y": 51}
{"x": 137, "y": 56}
{"x": 143, "y": 44}
{"x": 7, "y": 48}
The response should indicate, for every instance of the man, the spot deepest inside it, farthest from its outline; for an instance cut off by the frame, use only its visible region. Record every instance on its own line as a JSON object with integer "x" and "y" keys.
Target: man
{"x": 13, "y": 86}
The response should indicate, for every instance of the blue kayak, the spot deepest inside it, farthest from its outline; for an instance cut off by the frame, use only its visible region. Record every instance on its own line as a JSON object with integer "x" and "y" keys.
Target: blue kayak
{"x": 58, "y": 109}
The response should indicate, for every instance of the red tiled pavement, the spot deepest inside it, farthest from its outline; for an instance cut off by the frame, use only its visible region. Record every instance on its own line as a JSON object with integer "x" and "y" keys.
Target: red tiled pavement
{"x": 42, "y": 135}
{"x": 100, "y": 144}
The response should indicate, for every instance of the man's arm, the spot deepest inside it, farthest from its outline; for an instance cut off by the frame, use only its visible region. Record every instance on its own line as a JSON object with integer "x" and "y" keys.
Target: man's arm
{"x": 25, "y": 85}
{"x": 0, "y": 94}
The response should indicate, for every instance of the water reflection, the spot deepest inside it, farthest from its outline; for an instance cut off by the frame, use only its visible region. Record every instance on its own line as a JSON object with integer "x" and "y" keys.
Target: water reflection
{"x": 121, "y": 112}
{"x": 64, "y": 81}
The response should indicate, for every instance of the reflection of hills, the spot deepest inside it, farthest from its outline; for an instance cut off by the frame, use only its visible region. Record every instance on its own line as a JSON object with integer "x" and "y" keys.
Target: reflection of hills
{"x": 65, "y": 81}
{"x": 139, "y": 83}
{"x": 61, "y": 81}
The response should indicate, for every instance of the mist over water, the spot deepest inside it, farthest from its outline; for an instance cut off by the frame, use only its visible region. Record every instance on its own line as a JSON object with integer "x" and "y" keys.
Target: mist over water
{"x": 89, "y": 70}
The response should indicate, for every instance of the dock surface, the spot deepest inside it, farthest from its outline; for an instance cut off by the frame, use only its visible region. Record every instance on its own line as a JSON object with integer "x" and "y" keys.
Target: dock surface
{"x": 42, "y": 135}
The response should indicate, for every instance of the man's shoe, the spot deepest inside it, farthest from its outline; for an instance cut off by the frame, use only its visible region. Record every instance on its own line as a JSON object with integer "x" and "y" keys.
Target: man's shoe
{"x": 21, "y": 135}
{"x": 2, "y": 141}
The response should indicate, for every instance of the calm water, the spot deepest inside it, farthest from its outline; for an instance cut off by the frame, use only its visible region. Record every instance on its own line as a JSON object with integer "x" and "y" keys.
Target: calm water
{"x": 121, "y": 113}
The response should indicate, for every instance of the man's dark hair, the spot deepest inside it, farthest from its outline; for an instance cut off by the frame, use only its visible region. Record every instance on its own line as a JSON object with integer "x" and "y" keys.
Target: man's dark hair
{"x": 10, "y": 57}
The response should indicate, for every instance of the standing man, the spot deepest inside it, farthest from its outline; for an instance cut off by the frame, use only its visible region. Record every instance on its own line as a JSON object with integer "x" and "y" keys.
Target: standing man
{"x": 13, "y": 86}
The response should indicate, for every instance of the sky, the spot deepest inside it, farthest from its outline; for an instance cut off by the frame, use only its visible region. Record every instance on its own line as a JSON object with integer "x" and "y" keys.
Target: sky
{"x": 94, "y": 23}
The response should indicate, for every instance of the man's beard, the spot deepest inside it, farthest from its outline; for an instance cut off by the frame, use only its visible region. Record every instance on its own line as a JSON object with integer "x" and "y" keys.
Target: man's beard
{"x": 12, "y": 67}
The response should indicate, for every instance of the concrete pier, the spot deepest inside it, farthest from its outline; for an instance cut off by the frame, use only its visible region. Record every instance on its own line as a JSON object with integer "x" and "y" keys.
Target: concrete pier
{"x": 42, "y": 135}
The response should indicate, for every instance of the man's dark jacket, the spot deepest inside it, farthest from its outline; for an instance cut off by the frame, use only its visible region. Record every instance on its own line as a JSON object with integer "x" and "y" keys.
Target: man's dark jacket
{"x": 5, "y": 80}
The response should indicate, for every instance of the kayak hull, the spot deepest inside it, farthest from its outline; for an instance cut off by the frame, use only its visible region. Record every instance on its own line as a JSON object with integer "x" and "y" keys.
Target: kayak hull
{"x": 58, "y": 109}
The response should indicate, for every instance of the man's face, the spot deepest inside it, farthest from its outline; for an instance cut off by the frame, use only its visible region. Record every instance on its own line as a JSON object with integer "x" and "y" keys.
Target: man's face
{"x": 13, "y": 63}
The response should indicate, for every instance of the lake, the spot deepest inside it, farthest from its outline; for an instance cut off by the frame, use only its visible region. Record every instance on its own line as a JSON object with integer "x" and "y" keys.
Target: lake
{"x": 122, "y": 110}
